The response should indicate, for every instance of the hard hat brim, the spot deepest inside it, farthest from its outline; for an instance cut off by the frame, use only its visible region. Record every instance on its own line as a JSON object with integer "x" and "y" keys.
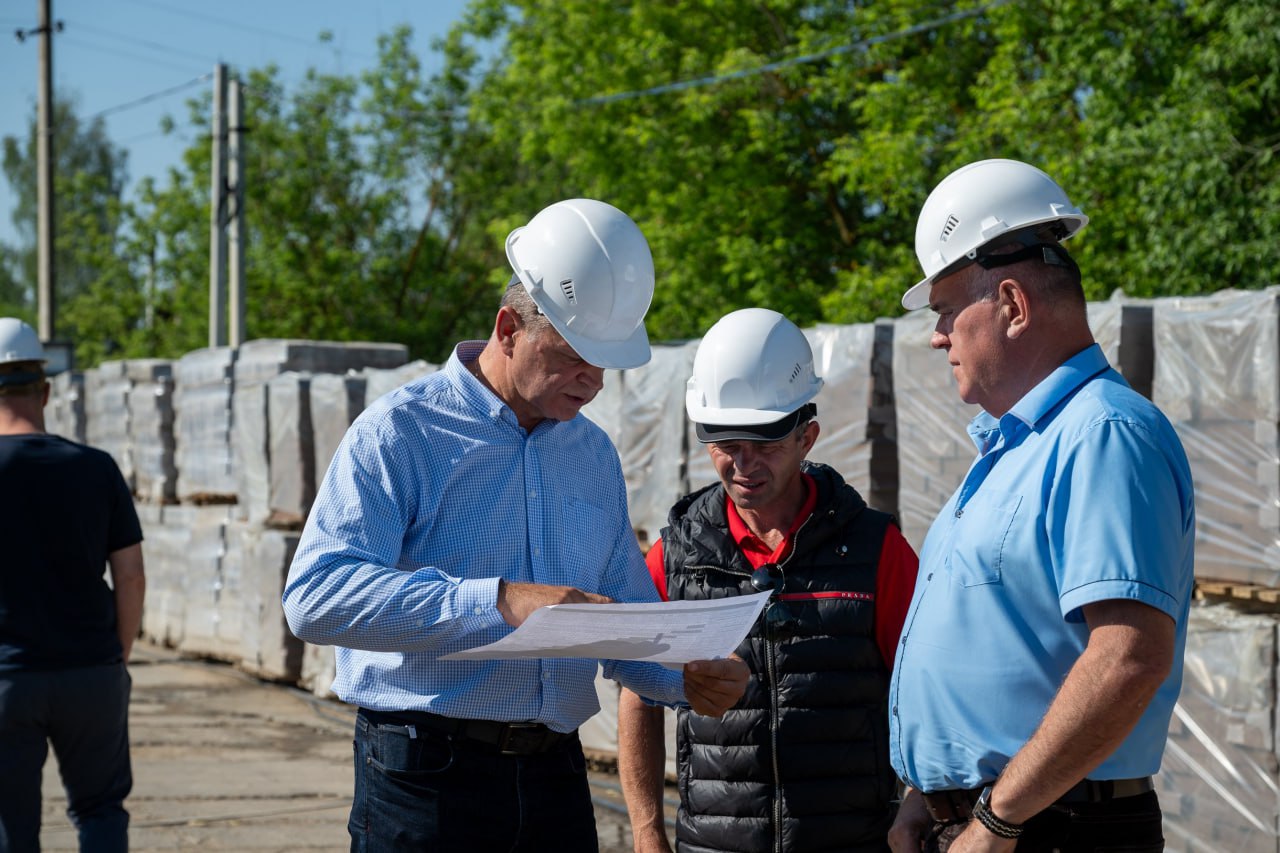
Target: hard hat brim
{"x": 618, "y": 355}
{"x": 772, "y": 431}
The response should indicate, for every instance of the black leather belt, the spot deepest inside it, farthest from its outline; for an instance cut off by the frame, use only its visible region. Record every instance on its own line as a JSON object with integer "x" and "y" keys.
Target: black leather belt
{"x": 957, "y": 805}
{"x": 489, "y": 735}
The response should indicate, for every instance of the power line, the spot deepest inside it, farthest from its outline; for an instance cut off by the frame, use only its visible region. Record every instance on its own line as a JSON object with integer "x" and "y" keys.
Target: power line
{"x": 79, "y": 42}
{"x": 154, "y": 96}
{"x": 863, "y": 44}
{"x": 150, "y": 45}
{"x": 213, "y": 19}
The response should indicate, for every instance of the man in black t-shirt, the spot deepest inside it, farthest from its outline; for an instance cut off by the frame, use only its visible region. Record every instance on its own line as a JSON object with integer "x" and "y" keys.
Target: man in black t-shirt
{"x": 65, "y": 634}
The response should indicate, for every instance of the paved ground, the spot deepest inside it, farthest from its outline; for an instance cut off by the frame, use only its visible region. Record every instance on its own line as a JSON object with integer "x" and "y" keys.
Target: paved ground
{"x": 222, "y": 761}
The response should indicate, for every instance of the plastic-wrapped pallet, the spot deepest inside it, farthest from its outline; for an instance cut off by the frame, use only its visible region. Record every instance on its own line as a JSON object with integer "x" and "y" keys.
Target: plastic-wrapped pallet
{"x": 107, "y": 414}
{"x": 163, "y": 548}
{"x": 381, "y": 381}
{"x": 291, "y": 450}
{"x": 1217, "y": 359}
{"x": 336, "y": 400}
{"x": 319, "y": 667}
{"x": 267, "y": 648}
{"x": 934, "y": 449}
{"x": 65, "y": 414}
{"x": 151, "y": 432}
{"x": 651, "y": 441}
{"x": 1218, "y": 783}
{"x": 855, "y": 408}
{"x": 202, "y": 425}
{"x": 260, "y": 361}
{"x": 206, "y": 595}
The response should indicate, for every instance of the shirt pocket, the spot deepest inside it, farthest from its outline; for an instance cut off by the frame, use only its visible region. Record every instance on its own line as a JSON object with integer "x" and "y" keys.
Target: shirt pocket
{"x": 977, "y": 551}
{"x": 588, "y": 539}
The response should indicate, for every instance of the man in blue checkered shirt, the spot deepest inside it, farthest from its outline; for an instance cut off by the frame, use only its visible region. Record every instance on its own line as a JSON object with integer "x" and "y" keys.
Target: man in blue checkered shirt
{"x": 457, "y": 505}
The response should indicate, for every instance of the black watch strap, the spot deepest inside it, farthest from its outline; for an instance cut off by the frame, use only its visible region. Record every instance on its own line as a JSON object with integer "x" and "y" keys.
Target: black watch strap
{"x": 982, "y": 814}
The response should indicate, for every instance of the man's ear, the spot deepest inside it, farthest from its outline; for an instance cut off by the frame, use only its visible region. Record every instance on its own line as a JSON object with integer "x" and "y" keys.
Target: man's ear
{"x": 811, "y": 430}
{"x": 1015, "y": 306}
{"x": 505, "y": 326}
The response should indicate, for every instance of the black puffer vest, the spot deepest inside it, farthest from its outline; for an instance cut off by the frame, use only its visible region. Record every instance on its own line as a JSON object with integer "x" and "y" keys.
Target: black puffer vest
{"x": 801, "y": 763}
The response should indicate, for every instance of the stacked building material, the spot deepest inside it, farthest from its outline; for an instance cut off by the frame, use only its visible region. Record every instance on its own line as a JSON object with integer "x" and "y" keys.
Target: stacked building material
{"x": 65, "y": 413}
{"x": 1218, "y": 783}
{"x": 1217, "y": 361}
{"x": 202, "y": 425}
{"x": 280, "y": 495}
{"x": 934, "y": 449}
{"x": 151, "y": 430}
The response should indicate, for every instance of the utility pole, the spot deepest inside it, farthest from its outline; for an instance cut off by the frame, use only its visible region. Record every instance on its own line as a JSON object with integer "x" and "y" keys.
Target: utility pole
{"x": 236, "y": 227}
{"x": 45, "y": 28}
{"x": 217, "y": 213}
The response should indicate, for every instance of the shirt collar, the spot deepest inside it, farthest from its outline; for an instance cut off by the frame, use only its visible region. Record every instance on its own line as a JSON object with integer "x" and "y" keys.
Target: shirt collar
{"x": 1037, "y": 403}
{"x": 475, "y": 392}
{"x": 752, "y": 546}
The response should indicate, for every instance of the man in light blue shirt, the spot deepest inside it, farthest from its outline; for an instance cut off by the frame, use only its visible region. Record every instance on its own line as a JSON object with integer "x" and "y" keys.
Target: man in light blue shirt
{"x": 1042, "y": 653}
{"x": 455, "y": 507}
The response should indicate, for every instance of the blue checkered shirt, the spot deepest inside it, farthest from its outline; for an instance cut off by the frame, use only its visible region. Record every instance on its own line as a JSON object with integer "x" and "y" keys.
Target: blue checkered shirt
{"x": 434, "y": 494}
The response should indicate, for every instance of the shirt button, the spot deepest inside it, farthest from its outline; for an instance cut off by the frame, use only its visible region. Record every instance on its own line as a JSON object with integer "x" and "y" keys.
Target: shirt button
{"x": 537, "y": 552}
{"x": 533, "y": 494}
{"x": 479, "y": 611}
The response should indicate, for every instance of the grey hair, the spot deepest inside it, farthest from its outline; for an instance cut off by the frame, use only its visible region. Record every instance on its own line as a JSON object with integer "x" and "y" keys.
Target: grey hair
{"x": 517, "y": 298}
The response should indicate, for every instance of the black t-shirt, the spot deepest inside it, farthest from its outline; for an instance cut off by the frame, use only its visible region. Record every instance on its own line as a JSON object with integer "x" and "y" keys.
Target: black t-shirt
{"x": 63, "y": 508}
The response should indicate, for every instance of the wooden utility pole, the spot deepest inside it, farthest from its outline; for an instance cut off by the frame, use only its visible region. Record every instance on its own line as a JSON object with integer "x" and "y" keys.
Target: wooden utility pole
{"x": 44, "y": 180}
{"x": 218, "y": 212}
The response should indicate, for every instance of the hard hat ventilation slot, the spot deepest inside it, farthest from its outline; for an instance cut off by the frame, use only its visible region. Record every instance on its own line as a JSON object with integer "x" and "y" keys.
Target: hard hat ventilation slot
{"x": 566, "y": 287}
{"x": 948, "y": 227}
{"x": 796, "y": 371}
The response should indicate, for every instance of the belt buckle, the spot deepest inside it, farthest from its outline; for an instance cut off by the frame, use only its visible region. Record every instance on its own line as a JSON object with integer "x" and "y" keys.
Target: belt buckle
{"x": 521, "y": 738}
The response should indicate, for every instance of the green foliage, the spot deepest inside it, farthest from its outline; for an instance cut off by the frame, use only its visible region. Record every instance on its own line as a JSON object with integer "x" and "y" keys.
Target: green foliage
{"x": 775, "y": 153}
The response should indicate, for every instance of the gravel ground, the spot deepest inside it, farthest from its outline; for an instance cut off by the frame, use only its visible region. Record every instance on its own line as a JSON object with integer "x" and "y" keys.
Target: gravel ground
{"x": 223, "y": 761}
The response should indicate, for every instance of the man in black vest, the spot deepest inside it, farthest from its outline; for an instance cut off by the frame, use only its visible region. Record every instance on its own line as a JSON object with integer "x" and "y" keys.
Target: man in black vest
{"x": 801, "y": 762}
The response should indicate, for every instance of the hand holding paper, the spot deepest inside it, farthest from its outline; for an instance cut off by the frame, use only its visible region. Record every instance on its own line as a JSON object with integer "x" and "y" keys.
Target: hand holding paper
{"x": 671, "y": 633}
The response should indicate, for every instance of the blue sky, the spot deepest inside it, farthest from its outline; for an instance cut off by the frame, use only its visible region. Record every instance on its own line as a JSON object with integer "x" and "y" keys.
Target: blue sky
{"x": 114, "y": 54}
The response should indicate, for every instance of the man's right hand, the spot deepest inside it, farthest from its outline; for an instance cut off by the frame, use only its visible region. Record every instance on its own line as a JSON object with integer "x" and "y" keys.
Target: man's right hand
{"x": 517, "y": 600}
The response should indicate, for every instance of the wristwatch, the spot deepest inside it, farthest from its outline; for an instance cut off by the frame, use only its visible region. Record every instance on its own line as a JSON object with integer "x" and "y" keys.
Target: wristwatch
{"x": 982, "y": 814}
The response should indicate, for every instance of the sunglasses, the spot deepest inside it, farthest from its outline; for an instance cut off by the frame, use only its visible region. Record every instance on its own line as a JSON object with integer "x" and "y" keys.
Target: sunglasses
{"x": 778, "y": 617}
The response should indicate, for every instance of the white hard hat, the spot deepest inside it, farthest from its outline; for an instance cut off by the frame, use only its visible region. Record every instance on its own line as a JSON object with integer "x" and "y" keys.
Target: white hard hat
{"x": 752, "y": 378}
{"x": 588, "y": 269}
{"x": 19, "y": 342}
{"x": 978, "y": 203}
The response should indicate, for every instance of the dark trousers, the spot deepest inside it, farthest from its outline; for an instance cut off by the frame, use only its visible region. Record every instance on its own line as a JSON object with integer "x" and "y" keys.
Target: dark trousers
{"x": 84, "y": 714}
{"x": 418, "y": 790}
{"x": 1128, "y": 825}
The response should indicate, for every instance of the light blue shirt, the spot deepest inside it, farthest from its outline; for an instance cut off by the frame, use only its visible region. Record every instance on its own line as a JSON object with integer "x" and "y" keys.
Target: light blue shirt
{"x": 1081, "y": 493}
{"x": 434, "y": 494}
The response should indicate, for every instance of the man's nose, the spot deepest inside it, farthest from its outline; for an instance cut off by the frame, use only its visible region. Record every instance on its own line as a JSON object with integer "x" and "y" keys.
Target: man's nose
{"x": 938, "y": 340}
{"x": 593, "y": 376}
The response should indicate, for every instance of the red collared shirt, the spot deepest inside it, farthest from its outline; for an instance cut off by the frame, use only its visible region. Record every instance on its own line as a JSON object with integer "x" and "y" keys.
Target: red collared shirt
{"x": 895, "y": 578}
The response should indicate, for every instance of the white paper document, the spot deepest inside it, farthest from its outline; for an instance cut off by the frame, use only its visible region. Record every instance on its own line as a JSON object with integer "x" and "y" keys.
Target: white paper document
{"x": 672, "y": 632}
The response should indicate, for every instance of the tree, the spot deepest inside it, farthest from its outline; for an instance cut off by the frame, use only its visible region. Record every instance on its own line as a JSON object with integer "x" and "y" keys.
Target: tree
{"x": 89, "y": 175}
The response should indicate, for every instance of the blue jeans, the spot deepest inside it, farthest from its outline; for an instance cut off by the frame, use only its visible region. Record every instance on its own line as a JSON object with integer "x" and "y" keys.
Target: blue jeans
{"x": 1128, "y": 825}
{"x": 84, "y": 713}
{"x": 418, "y": 790}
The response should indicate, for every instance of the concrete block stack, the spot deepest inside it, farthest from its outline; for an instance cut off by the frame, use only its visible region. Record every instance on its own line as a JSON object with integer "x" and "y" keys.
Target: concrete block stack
{"x": 1217, "y": 785}
{"x": 107, "y": 414}
{"x": 280, "y": 495}
{"x": 151, "y": 435}
{"x": 335, "y": 402}
{"x": 855, "y": 408}
{"x": 203, "y": 424}
{"x": 267, "y": 648}
{"x": 934, "y": 449}
{"x": 1216, "y": 368}
{"x": 379, "y": 381}
{"x": 65, "y": 413}
{"x": 652, "y": 438}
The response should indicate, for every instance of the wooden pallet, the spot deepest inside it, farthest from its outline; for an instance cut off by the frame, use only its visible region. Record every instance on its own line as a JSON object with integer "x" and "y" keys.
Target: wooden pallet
{"x": 1254, "y": 595}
